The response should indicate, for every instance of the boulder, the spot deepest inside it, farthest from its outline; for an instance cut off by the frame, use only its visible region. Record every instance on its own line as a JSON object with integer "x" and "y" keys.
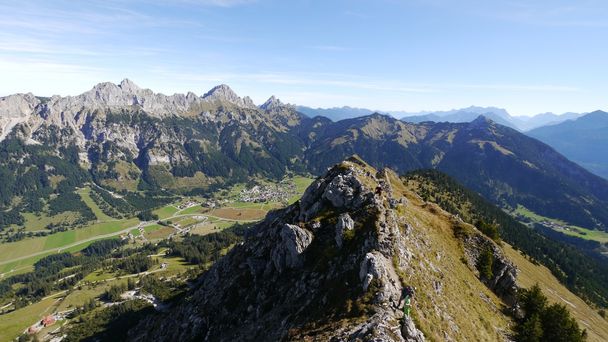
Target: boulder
{"x": 343, "y": 191}
{"x": 293, "y": 242}
{"x": 372, "y": 267}
{"x": 345, "y": 223}
{"x": 409, "y": 331}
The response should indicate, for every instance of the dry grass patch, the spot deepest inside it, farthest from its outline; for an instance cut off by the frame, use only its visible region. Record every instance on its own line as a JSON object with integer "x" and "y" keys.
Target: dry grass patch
{"x": 159, "y": 233}
{"x": 238, "y": 214}
{"x": 450, "y": 300}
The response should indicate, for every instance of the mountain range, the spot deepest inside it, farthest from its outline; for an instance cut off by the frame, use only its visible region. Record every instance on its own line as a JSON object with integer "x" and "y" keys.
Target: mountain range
{"x": 498, "y": 115}
{"x": 335, "y": 113}
{"x": 583, "y": 140}
{"x": 127, "y": 139}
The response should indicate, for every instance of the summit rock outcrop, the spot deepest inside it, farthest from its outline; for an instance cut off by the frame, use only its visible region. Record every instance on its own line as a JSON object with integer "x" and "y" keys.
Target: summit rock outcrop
{"x": 291, "y": 279}
{"x": 224, "y": 93}
{"x": 333, "y": 266}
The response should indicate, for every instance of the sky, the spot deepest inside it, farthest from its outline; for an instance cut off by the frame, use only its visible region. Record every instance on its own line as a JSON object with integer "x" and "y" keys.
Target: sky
{"x": 528, "y": 56}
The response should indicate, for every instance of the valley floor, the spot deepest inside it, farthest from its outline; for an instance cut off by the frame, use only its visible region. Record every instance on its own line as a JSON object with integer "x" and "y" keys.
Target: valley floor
{"x": 184, "y": 216}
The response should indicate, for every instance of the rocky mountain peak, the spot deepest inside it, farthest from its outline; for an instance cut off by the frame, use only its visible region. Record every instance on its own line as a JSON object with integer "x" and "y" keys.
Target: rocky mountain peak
{"x": 272, "y": 103}
{"x": 481, "y": 121}
{"x": 18, "y": 105}
{"x": 128, "y": 86}
{"x": 15, "y": 109}
{"x": 248, "y": 102}
{"x": 223, "y": 93}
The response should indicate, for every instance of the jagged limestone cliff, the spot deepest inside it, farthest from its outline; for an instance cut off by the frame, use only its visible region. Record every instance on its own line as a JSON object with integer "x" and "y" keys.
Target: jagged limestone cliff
{"x": 332, "y": 267}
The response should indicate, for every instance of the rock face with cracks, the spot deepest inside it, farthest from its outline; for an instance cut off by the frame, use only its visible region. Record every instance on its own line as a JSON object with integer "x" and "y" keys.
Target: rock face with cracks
{"x": 297, "y": 276}
{"x": 504, "y": 274}
{"x": 345, "y": 223}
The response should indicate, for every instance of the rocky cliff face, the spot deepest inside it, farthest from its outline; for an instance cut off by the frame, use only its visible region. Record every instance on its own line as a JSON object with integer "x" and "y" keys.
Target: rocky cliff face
{"x": 332, "y": 267}
{"x": 503, "y": 281}
{"x": 321, "y": 269}
{"x": 124, "y": 132}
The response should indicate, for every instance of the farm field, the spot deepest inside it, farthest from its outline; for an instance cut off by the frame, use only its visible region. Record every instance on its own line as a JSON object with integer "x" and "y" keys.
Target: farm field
{"x": 240, "y": 214}
{"x": 197, "y": 209}
{"x": 9, "y": 251}
{"x": 26, "y": 264}
{"x": 158, "y": 234}
{"x": 166, "y": 211}
{"x": 587, "y": 234}
{"x": 301, "y": 183}
{"x": 16, "y": 257}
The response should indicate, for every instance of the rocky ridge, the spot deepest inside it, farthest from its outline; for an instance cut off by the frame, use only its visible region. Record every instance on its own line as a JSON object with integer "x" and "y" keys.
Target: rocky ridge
{"x": 332, "y": 267}
{"x": 123, "y": 132}
{"x": 320, "y": 269}
{"x": 71, "y": 111}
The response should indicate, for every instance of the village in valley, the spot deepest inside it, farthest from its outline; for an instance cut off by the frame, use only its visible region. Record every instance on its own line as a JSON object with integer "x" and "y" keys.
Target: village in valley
{"x": 274, "y": 192}
{"x": 241, "y": 204}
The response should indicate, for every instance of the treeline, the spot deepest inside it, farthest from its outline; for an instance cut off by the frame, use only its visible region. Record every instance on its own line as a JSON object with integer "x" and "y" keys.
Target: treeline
{"x": 585, "y": 276}
{"x": 42, "y": 179}
{"x": 202, "y": 249}
{"x": 148, "y": 199}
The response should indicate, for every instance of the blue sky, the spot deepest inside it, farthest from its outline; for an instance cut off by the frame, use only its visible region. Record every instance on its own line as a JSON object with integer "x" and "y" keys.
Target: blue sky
{"x": 525, "y": 56}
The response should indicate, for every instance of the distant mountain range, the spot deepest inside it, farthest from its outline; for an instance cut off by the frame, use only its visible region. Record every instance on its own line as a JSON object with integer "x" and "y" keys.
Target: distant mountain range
{"x": 469, "y": 114}
{"x": 336, "y": 113}
{"x": 131, "y": 139}
{"x": 583, "y": 140}
{"x": 498, "y": 115}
